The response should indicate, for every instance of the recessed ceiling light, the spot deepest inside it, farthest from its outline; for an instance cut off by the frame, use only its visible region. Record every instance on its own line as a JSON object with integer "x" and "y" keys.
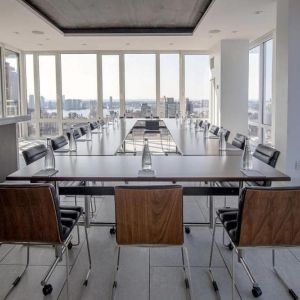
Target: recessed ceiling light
{"x": 258, "y": 12}
{"x": 37, "y": 32}
{"x": 214, "y": 31}
{"x": 234, "y": 31}
{"x": 171, "y": 44}
{"x": 16, "y": 32}
{"x": 47, "y": 39}
{"x": 40, "y": 44}
{"x": 127, "y": 44}
{"x": 83, "y": 44}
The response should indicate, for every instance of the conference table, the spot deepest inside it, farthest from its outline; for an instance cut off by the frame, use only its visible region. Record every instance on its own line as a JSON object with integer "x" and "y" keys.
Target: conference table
{"x": 112, "y": 140}
{"x": 124, "y": 169}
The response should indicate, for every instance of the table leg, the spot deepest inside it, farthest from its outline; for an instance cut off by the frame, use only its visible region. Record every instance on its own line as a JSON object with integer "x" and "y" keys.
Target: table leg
{"x": 87, "y": 202}
{"x": 211, "y": 209}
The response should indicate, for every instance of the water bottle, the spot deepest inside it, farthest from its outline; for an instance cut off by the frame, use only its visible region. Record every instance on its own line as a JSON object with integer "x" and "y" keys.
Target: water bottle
{"x": 146, "y": 157}
{"x": 205, "y": 129}
{"x": 49, "y": 158}
{"x": 72, "y": 142}
{"x": 222, "y": 141}
{"x": 89, "y": 132}
{"x": 246, "y": 162}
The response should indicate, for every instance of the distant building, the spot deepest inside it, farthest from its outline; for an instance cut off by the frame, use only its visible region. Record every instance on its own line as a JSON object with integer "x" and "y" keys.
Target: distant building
{"x": 145, "y": 110}
{"x": 189, "y": 106}
{"x": 169, "y": 108}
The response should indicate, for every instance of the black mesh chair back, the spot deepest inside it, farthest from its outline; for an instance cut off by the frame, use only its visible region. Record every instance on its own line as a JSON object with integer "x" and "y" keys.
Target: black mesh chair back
{"x": 266, "y": 154}
{"x": 34, "y": 153}
{"x": 239, "y": 141}
{"x": 225, "y": 132}
{"x": 77, "y": 134}
{"x": 83, "y": 130}
{"x": 214, "y": 129}
{"x": 152, "y": 124}
{"x": 59, "y": 142}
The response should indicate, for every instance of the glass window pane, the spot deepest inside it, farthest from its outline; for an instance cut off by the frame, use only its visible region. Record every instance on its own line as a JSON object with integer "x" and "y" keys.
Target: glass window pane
{"x": 31, "y": 129}
{"x": 268, "y": 64}
{"x": 254, "y": 71}
{"x": 267, "y": 136}
{"x": 254, "y": 134}
{"x": 140, "y": 85}
{"x": 169, "y": 85}
{"x": 79, "y": 86}
{"x": 29, "y": 84}
{"x": 12, "y": 83}
{"x": 111, "y": 87}
{"x": 197, "y": 85}
{"x": 48, "y": 129}
{"x": 47, "y": 72}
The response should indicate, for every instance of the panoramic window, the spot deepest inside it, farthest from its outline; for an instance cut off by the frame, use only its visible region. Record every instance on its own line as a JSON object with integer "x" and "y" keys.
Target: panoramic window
{"x": 140, "y": 85}
{"x": 47, "y": 72}
{"x": 169, "y": 85}
{"x": 197, "y": 85}
{"x": 30, "y": 93}
{"x": 79, "y": 86}
{"x": 260, "y": 93}
{"x": 111, "y": 86}
{"x": 12, "y": 83}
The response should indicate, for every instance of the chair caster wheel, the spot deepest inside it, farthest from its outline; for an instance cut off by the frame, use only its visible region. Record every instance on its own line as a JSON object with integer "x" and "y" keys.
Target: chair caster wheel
{"x": 187, "y": 230}
{"x": 230, "y": 247}
{"x": 70, "y": 246}
{"x": 47, "y": 289}
{"x": 256, "y": 291}
{"x": 115, "y": 284}
{"x": 85, "y": 282}
{"x": 112, "y": 230}
{"x": 187, "y": 284}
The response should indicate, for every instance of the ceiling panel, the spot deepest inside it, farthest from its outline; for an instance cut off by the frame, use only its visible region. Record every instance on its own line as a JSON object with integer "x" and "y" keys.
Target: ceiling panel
{"x": 122, "y": 16}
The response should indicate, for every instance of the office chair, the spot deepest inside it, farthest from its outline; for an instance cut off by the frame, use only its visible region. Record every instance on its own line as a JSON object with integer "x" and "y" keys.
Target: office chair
{"x": 267, "y": 217}
{"x": 30, "y": 215}
{"x": 151, "y": 216}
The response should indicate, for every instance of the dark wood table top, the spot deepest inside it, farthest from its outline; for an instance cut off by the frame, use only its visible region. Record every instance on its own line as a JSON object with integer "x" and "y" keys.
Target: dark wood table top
{"x": 192, "y": 142}
{"x": 167, "y": 168}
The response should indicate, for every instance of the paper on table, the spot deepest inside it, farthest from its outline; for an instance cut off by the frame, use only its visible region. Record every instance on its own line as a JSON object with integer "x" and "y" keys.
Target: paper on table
{"x": 146, "y": 173}
{"x": 43, "y": 173}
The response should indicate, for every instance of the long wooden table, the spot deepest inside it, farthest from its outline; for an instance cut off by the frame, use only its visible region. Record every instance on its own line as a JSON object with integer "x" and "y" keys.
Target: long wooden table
{"x": 167, "y": 169}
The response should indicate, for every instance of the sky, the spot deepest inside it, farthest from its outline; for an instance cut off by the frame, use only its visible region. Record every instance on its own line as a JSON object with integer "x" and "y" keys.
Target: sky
{"x": 79, "y": 76}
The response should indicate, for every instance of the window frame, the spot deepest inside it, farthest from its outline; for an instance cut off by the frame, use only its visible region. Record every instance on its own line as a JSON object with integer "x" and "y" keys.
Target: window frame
{"x": 262, "y": 127}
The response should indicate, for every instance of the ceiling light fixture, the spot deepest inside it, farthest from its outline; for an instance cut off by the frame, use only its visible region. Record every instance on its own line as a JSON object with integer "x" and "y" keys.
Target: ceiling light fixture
{"x": 214, "y": 31}
{"x": 37, "y": 32}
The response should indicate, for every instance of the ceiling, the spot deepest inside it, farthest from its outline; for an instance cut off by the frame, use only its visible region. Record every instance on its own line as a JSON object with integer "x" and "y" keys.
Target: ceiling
{"x": 122, "y": 17}
{"x": 228, "y": 19}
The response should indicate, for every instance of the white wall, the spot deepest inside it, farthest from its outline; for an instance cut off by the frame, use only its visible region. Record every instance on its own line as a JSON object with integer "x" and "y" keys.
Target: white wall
{"x": 231, "y": 73}
{"x": 287, "y": 97}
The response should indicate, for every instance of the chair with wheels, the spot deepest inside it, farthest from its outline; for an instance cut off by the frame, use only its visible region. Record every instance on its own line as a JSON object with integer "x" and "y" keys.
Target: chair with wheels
{"x": 239, "y": 141}
{"x": 30, "y": 215}
{"x": 226, "y": 133}
{"x": 214, "y": 129}
{"x": 267, "y": 155}
{"x": 267, "y": 217}
{"x": 150, "y": 216}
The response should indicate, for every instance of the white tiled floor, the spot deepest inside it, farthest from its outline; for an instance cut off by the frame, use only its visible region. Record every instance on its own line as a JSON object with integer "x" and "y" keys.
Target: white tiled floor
{"x": 146, "y": 273}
